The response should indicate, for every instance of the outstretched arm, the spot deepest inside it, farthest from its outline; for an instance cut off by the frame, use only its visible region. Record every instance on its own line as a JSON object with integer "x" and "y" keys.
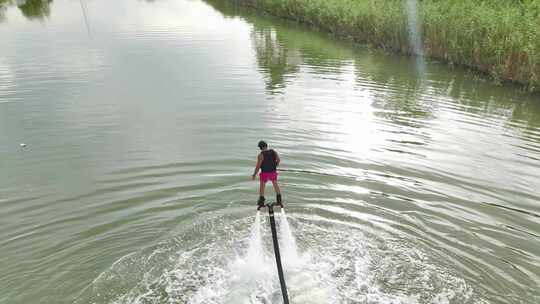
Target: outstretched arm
{"x": 257, "y": 166}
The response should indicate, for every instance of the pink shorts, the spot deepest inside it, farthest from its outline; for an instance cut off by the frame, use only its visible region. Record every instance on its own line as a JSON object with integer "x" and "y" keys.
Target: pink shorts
{"x": 268, "y": 176}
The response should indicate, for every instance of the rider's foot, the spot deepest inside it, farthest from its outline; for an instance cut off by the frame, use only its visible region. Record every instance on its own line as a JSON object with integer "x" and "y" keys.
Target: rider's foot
{"x": 278, "y": 200}
{"x": 260, "y": 202}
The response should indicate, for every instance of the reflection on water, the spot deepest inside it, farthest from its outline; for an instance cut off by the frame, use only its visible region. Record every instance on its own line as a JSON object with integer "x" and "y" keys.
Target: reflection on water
{"x": 35, "y": 9}
{"x": 274, "y": 58}
{"x": 3, "y": 9}
{"x": 31, "y": 9}
{"x": 283, "y": 51}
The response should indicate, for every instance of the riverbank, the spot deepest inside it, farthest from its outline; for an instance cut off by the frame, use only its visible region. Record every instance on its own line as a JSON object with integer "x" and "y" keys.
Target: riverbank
{"x": 498, "y": 38}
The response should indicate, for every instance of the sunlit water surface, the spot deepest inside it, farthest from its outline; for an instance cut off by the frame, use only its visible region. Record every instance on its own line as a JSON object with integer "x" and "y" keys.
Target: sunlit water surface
{"x": 141, "y": 125}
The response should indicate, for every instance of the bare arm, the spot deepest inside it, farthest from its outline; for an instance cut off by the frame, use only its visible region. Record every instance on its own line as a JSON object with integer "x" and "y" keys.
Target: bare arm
{"x": 260, "y": 158}
{"x": 277, "y": 159}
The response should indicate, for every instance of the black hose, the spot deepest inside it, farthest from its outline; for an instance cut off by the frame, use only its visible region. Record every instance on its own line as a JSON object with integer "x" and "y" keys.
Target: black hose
{"x": 278, "y": 256}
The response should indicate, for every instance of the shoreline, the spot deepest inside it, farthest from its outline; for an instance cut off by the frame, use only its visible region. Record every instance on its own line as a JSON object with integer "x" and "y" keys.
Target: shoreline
{"x": 504, "y": 53}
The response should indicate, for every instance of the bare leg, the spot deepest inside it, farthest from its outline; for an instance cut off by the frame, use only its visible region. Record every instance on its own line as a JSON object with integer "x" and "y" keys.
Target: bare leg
{"x": 260, "y": 202}
{"x": 278, "y": 193}
{"x": 261, "y": 189}
{"x": 276, "y": 187}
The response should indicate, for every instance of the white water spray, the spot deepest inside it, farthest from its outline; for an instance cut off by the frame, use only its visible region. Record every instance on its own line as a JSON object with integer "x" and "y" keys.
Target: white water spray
{"x": 307, "y": 280}
{"x": 290, "y": 251}
{"x": 255, "y": 251}
{"x": 251, "y": 272}
{"x": 333, "y": 264}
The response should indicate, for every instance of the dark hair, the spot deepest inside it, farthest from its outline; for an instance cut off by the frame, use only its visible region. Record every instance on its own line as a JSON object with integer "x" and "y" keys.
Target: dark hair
{"x": 262, "y": 144}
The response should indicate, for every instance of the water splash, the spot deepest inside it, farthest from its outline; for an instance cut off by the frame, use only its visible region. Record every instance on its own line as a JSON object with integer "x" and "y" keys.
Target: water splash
{"x": 290, "y": 251}
{"x": 309, "y": 280}
{"x": 231, "y": 261}
{"x": 255, "y": 253}
{"x": 415, "y": 37}
{"x": 249, "y": 279}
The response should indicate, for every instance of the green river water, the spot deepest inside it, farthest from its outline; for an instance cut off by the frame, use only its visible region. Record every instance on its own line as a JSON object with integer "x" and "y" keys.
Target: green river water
{"x": 141, "y": 119}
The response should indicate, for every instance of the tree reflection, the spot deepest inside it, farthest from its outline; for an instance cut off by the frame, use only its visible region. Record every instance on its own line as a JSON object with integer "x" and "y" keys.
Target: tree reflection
{"x": 35, "y": 9}
{"x": 282, "y": 49}
{"x": 399, "y": 90}
{"x": 481, "y": 97}
{"x": 274, "y": 59}
{"x": 3, "y": 8}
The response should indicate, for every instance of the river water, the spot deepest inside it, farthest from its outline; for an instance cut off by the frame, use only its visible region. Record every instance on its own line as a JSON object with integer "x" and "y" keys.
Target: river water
{"x": 140, "y": 126}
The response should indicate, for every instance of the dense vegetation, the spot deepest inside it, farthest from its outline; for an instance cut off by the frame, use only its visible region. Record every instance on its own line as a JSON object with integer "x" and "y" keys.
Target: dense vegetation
{"x": 498, "y": 37}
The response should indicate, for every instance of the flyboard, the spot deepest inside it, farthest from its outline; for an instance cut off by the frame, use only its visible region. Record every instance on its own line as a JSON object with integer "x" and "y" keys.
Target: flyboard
{"x": 276, "y": 253}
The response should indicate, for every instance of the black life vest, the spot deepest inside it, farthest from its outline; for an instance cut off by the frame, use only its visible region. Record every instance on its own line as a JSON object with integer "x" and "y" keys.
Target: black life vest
{"x": 269, "y": 162}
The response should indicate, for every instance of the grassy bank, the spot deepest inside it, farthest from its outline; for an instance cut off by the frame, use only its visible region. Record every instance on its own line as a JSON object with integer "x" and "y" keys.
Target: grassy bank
{"x": 497, "y": 37}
